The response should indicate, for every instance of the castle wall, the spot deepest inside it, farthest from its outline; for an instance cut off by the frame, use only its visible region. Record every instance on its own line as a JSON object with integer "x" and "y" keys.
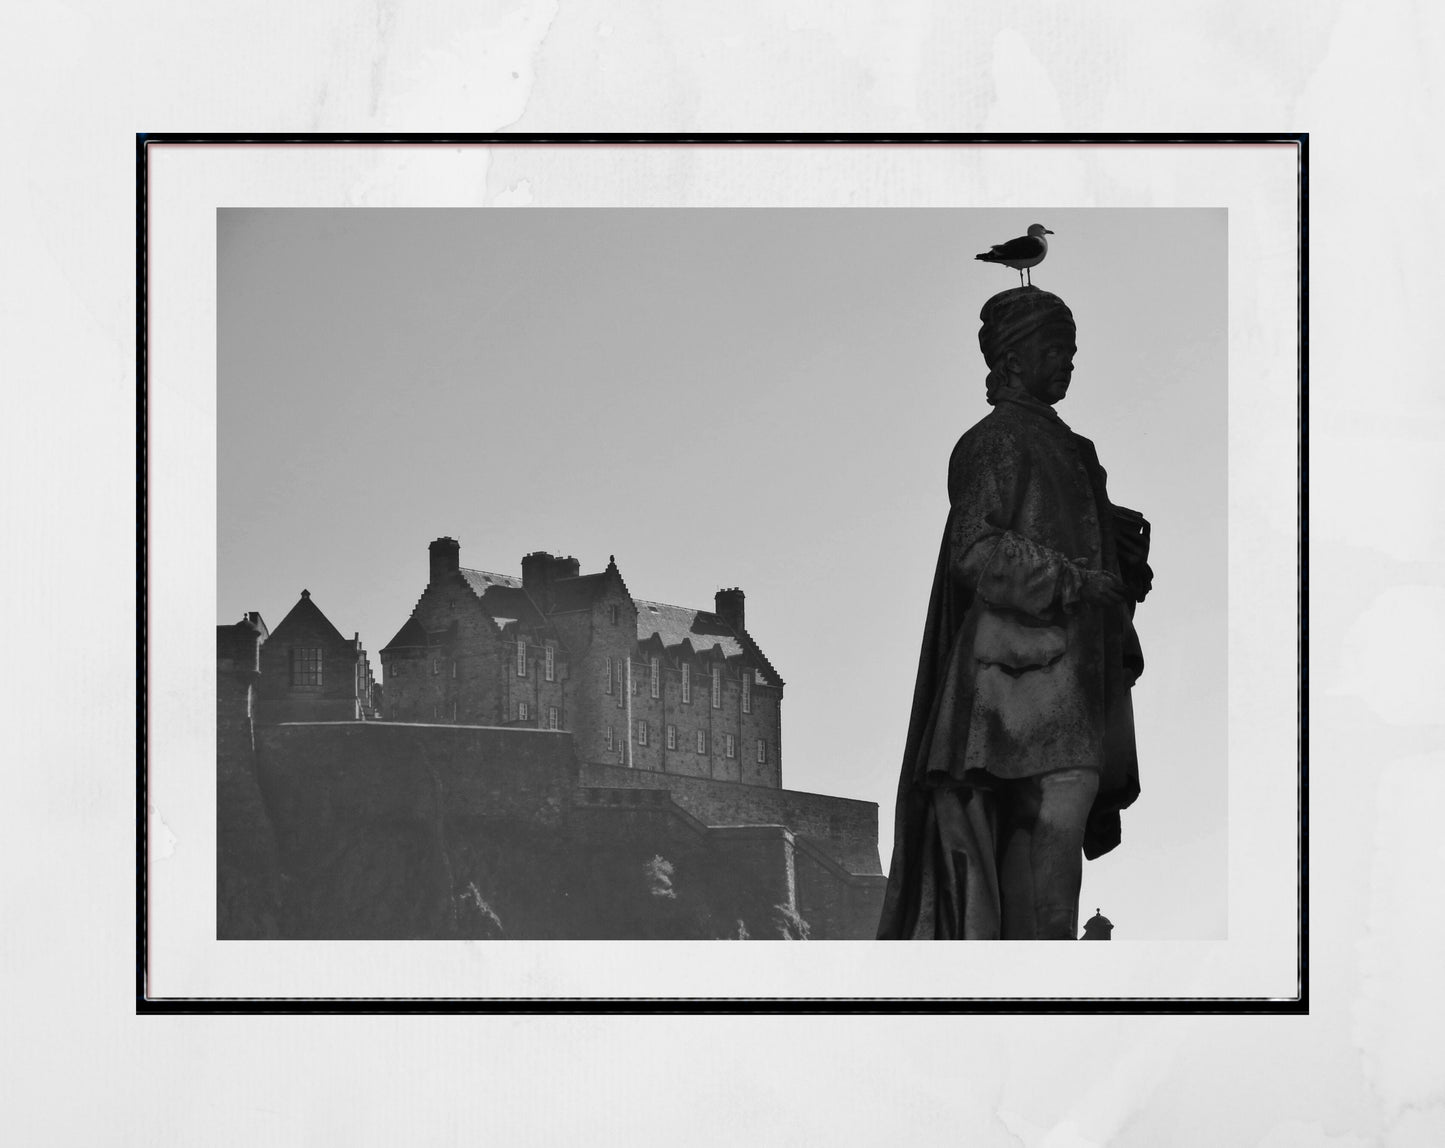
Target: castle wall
{"x": 596, "y": 709}
{"x": 412, "y": 830}
{"x": 842, "y": 828}
{"x": 836, "y": 904}
{"x": 380, "y": 769}
{"x": 689, "y": 718}
{"x": 461, "y": 676}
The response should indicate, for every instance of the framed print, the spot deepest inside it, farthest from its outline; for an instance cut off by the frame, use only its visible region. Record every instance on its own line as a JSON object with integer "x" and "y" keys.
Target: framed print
{"x": 566, "y": 514}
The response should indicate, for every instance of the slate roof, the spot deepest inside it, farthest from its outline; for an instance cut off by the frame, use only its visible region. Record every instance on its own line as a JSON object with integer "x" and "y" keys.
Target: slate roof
{"x": 678, "y": 624}
{"x": 704, "y": 630}
{"x": 410, "y": 634}
{"x": 502, "y": 597}
{"x": 308, "y": 612}
{"x": 576, "y": 593}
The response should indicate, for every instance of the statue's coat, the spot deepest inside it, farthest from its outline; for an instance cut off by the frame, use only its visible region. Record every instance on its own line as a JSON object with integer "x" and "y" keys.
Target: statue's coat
{"x": 1017, "y": 676}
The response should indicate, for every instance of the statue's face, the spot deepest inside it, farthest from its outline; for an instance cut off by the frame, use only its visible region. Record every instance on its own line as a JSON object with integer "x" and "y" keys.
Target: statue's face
{"x": 1044, "y": 362}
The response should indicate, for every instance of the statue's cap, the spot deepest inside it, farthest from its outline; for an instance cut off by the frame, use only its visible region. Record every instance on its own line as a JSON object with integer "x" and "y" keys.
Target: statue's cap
{"x": 1012, "y": 316}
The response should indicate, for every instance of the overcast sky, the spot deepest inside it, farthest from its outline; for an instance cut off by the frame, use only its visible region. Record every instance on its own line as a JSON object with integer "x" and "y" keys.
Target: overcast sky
{"x": 754, "y": 398}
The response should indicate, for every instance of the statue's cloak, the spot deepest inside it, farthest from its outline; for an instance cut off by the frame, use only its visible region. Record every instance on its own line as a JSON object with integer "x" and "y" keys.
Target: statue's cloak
{"x": 1017, "y": 676}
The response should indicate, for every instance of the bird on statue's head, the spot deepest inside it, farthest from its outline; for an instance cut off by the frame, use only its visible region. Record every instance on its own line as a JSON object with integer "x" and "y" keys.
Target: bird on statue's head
{"x": 1022, "y": 253}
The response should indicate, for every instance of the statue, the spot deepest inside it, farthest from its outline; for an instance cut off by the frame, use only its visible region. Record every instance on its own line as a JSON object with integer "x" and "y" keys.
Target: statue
{"x": 1020, "y": 750}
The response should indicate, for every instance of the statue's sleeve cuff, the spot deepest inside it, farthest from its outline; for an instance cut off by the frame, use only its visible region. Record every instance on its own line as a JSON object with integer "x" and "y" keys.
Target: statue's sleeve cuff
{"x": 1071, "y": 586}
{"x": 1015, "y": 572}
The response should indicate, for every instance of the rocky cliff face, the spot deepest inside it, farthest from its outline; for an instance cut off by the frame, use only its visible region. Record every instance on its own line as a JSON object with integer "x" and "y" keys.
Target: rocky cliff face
{"x": 248, "y": 885}
{"x": 388, "y": 831}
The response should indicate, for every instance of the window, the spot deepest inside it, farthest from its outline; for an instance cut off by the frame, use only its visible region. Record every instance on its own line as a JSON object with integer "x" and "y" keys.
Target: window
{"x": 686, "y": 683}
{"x": 306, "y": 666}
{"x": 609, "y": 675}
{"x": 716, "y": 687}
{"x": 747, "y": 691}
{"x": 522, "y": 711}
{"x": 609, "y": 737}
{"x": 631, "y": 677}
{"x": 731, "y": 748}
{"x": 620, "y": 702}
{"x": 701, "y": 742}
{"x": 436, "y": 666}
{"x": 762, "y": 752}
{"x": 612, "y": 614}
{"x": 551, "y": 654}
{"x": 454, "y": 668}
{"x": 454, "y": 711}
{"x": 672, "y": 737}
{"x": 552, "y": 718}
{"x": 521, "y": 657}
{"x": 642, "y": 733}
{"x": 656, "y": 678}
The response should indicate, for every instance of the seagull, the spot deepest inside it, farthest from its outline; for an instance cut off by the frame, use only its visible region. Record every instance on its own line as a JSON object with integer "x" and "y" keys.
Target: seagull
{"x": 1022, "y": 253}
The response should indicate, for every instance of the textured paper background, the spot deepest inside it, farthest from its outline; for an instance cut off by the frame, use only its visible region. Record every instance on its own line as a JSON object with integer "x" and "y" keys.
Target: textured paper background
{"x": 1366, "y": 1066}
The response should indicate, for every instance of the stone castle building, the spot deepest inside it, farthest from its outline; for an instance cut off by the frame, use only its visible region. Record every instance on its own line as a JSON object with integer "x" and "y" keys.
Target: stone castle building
{"x": 552, "y": 759}
{"x": 309, "y": 672}
{"x": 643, "y": 684}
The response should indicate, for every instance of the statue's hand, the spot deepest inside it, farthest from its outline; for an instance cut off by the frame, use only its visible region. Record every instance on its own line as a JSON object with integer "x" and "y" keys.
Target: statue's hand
{"x": 1101, "y": 588}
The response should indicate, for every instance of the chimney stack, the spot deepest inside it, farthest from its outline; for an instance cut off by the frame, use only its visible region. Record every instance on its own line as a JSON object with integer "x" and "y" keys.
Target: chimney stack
{"x": 540, "y": 570}
{"x": 446, "y": 558}
{"x": 728, "y": 605}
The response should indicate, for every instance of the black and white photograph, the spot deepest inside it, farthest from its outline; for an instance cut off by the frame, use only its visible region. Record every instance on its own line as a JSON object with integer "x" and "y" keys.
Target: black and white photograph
{"x": 605, "y": 564}
{"x": 573, "y": 567}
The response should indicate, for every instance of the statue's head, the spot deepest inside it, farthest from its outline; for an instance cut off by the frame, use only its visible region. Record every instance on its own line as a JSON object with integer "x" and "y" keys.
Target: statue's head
{"x": 1027, "y": 339}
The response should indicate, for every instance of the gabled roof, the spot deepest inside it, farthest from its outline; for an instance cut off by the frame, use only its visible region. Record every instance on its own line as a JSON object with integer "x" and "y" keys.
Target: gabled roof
{"x": 570, "y": 594}
{"x": 502, "y": 597}
{"x": 307, "y": 613}
{"x": 410, "y": 634}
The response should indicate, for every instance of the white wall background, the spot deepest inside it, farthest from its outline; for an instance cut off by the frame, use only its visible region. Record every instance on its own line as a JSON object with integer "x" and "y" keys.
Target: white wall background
{"x": 1365, "y": 1068}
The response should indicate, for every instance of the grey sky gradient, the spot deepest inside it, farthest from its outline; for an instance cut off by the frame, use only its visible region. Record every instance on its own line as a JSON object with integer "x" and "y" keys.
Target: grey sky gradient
{"x": 760, "y": 398}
